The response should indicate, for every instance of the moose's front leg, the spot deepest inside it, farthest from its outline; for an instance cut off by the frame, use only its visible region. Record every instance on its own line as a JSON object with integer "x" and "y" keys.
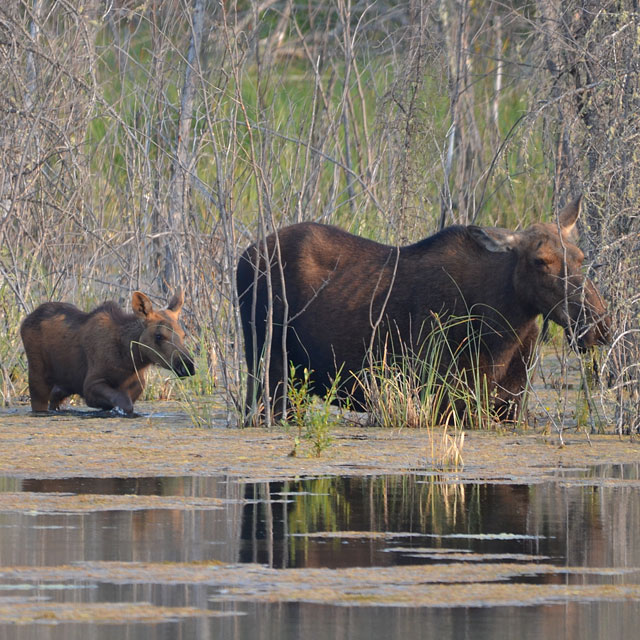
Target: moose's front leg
{"x": 133, "y": 386}
{"x": 512, "y": 384}
{"x": 98, "y": 393}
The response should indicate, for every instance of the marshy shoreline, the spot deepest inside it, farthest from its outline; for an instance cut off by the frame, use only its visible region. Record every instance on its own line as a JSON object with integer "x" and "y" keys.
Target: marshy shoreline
{"x": 160, "y": 441}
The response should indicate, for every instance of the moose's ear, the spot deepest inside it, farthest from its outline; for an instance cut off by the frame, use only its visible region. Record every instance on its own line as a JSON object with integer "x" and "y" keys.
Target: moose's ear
{"x": 176, "y": 302}
{"x": 141, "y": 304}
{"x": 495, "y": 240}
{"x": 569, "y": 216}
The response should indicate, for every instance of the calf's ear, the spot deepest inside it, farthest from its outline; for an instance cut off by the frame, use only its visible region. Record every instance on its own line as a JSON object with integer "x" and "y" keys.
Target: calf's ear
{"x": 494, "y": 240}
{"x": 141, "y": 304}
{"x": 569, "y": 216}
{"x": 176, "y": 302}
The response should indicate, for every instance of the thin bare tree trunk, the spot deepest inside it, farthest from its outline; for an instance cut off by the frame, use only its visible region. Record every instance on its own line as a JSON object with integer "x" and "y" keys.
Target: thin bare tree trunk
{"x": 34, "y": 29}
{"x": 181, "y": 169}
{"x": 463, "y": 143}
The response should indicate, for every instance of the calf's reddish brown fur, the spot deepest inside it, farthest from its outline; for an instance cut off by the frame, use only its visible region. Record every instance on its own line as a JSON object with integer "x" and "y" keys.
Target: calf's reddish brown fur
{"x": 337, "y": 294}
{"x": 101, "y": 355}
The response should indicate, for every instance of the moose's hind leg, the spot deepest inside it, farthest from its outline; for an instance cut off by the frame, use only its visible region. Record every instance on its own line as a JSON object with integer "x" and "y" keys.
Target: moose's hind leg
{"x": 277, "y": 391}
{"x": 253, "y": 401}
{"x": 254, "y": 408}
{"x": 57, "y": 396}
{"x": 39, "y": 389}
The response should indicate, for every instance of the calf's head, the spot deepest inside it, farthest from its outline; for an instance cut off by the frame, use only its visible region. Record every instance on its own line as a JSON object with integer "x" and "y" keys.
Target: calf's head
{"x": 548, "y": 277}
{"x": 162, "y": 339}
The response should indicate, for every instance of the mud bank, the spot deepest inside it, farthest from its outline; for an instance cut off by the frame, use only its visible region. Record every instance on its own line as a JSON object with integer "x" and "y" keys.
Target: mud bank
{"x": 162, "y": 442}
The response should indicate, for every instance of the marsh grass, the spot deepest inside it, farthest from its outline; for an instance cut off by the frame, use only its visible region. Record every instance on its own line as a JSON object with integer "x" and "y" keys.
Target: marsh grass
{"x": 439, "y": 385}
{"x": 451, "y": 445}
{"x": 195, "y": 394}
{"x": 198, "y": 395}
{"x": 440, "y": 382}
{"x": 401, "y": 392}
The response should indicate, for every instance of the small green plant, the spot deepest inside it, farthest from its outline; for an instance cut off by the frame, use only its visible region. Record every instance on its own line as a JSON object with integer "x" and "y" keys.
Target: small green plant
{"x": 309, "y": 418}
{"x": 587, "y": 414}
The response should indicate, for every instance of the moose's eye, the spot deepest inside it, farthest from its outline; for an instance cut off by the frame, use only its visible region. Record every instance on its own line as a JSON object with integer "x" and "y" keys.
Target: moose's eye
{"x": 541, "y": 263}
{"x": 159, "y": 337}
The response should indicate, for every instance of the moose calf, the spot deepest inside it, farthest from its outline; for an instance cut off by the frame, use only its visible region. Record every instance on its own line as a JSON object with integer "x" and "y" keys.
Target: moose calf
{"x": 101, "y": 355}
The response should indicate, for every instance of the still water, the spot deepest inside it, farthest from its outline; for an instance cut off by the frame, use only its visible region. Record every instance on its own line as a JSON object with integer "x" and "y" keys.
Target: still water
{"x": 57, "y": 535}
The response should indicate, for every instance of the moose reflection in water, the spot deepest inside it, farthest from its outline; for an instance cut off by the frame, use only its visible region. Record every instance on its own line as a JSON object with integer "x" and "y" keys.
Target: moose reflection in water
{"x": 386, "y": 520}
{"x": 318, "y": 297}
{"x": 101, "y": 355}
{"x": 320, "y": 523}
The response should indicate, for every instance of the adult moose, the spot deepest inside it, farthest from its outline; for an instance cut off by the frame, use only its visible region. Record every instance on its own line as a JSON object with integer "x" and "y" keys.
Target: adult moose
{"x": 101, "y": 355}
{"x": 337, "y": 295}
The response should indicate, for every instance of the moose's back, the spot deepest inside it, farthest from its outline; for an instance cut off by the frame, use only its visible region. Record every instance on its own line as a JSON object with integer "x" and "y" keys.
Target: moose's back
{"x": 344, "y": 294}
{"x": 53, "y": 340}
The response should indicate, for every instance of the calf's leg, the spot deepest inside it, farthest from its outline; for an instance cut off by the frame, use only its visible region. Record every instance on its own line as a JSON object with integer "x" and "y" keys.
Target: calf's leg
{"x": 101, "y": 395}
{"x": 133, "y": 386}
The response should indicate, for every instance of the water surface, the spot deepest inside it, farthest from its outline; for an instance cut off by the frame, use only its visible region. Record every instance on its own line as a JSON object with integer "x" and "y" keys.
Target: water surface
{"x": 580, "y": 529}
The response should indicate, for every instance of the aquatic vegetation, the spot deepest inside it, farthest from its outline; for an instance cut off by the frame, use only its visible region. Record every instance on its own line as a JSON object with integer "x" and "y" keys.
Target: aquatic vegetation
{"x": 307, "y": 417}
{"x": 449, "y": 585}
{"x": 97, "y": 613}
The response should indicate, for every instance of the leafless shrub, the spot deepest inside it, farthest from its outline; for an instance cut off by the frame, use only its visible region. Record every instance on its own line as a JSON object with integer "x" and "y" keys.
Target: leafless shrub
{"x": 593, "y": 96}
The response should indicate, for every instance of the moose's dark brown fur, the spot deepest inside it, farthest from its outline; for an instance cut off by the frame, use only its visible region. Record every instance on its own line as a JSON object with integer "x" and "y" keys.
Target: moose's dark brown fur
{"x": 338, "y": 294}
{"x": 101, "y": 355}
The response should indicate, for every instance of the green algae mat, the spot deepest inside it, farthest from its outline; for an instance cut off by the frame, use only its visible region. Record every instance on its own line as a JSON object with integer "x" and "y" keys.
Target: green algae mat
{"x": 163, "y": 443}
